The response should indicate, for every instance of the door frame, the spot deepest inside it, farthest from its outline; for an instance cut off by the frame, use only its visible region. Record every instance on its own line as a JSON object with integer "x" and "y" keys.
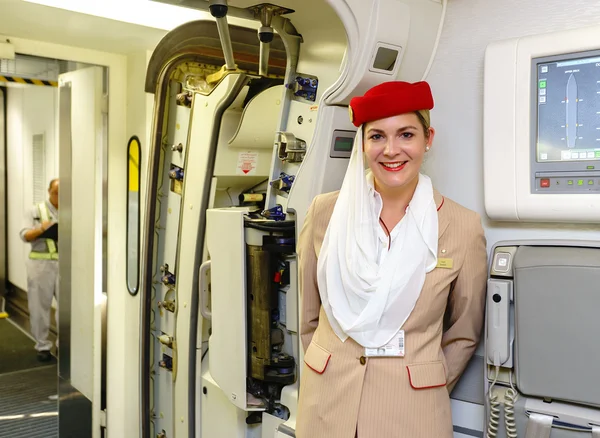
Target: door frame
{"x": 123, "y": 419}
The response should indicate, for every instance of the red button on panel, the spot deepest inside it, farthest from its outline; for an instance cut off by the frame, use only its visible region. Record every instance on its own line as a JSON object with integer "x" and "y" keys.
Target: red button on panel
{"x": 544, "y": 182}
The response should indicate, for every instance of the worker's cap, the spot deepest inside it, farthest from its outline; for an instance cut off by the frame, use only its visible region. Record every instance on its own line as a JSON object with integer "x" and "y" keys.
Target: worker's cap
{"x": 390, "y": 99}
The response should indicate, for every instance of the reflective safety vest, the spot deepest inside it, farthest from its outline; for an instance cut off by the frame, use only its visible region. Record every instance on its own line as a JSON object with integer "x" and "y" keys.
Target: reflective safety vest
{"x": 52, "y": 253}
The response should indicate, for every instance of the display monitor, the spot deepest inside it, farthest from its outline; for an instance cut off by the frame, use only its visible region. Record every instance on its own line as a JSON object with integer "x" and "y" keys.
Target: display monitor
{"x": 569, "y": 109}
{"x": 341, "y": 143}
{"x": 566, "y": 122}
{"x": 541, "y": 117}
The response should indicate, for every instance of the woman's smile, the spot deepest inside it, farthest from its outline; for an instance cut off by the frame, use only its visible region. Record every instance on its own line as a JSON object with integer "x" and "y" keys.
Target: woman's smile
{"x": 395, "y": 166}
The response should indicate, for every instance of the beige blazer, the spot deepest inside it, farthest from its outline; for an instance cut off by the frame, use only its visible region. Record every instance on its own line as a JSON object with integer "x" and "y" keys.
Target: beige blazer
{"x": 343, "y": 393}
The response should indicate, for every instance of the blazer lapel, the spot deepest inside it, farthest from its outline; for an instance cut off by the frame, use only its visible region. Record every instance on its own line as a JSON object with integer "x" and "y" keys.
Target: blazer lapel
{"x": 443, "y": 216}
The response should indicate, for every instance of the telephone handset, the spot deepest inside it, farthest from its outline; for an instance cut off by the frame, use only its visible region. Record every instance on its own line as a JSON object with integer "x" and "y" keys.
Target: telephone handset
{"x": 498, "y": 350}
{"x": 498, "y": 323}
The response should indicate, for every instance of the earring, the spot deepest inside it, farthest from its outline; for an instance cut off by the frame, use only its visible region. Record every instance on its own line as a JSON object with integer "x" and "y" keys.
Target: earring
{"x": 427, "y": 149}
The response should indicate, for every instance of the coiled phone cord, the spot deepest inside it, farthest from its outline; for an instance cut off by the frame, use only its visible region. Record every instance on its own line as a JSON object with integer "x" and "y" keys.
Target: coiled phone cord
{"x": 510, "y": 398}
{"x": 494, "y": 409}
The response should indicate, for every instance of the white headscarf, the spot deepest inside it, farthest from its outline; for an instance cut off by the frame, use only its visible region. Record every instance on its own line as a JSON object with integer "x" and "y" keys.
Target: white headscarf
{"x": 363, "y": 300}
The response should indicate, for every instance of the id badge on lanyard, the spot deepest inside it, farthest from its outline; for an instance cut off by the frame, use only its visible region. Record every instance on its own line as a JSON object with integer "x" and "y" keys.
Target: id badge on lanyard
{"x": 395, "y": 348}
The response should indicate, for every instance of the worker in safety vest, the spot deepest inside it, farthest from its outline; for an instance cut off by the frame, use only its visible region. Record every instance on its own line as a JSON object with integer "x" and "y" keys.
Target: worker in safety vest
{"x": 42, "y": 270}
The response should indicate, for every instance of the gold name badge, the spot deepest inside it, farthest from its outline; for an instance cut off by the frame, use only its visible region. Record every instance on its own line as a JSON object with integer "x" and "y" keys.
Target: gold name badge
{"x": 444, "y": 263}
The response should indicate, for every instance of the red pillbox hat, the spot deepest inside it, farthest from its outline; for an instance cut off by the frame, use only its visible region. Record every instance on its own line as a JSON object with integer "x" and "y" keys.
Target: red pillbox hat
{"x": 390, "y": 99}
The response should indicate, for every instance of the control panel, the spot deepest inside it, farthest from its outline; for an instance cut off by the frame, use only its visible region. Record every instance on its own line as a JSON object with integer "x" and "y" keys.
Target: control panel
{"x": 575, "y": 183}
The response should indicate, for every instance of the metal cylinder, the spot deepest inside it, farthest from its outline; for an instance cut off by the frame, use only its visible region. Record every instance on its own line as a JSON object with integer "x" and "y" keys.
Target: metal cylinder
{"x": 166, "y": 340}
{"x": 260, "y": 300}
{"x": 223, "y": 28}
{"x": 252, "y": 197}
{"x": 265, "y": 36}
{"x": 263, "y": 67}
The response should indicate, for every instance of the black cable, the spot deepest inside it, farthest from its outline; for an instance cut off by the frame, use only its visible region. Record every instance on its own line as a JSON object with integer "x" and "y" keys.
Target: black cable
{"x": 273, "y": 224}
{"x": 255, "y": 186}
{"x": 204, "y": 354}
{"x": 271, "y": 227}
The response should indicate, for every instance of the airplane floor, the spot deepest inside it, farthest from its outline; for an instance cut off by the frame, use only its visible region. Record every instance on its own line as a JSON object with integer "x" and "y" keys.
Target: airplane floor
{"x": 25, "y": 408}
{"x": 25, "y": 387}
{"x": 16, "y": 350}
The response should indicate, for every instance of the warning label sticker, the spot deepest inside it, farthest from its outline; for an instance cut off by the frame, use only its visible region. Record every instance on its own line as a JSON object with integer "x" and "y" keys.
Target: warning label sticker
{"x": 247, "y": 163}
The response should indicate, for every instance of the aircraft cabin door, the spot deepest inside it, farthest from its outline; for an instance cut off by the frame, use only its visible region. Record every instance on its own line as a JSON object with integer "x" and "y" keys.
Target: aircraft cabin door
{"x": 82, "y": 138}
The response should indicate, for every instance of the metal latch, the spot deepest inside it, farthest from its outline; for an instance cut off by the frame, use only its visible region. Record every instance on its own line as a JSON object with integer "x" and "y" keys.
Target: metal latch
{"x": 290, "y": 148}
{"x": 284, "y": 182}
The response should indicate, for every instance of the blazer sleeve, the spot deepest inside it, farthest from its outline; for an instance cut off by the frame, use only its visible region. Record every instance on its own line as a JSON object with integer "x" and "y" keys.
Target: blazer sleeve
{"x": 466, "y": 306}
{"x": 307, "y": 279}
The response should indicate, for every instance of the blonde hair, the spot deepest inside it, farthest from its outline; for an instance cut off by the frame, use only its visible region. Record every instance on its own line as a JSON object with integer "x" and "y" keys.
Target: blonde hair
{"x": 425, "y": 119}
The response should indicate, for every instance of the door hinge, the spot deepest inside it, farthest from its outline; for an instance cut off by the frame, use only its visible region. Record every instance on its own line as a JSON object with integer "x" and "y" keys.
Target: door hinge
{"x": 103, "y": 418}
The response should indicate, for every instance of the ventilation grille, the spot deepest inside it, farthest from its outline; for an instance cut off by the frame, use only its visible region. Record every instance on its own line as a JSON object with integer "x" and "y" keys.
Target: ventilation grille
{"x": 31, "y": 67}
{"x": 39, "y": 168}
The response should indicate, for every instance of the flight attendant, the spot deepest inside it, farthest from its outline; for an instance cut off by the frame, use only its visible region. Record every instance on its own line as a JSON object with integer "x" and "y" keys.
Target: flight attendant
{"x": 392, "y": 277}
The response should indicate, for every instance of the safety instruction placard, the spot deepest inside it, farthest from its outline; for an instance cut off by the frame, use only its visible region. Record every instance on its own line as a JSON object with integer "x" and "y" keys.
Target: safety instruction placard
{"x": 247, "y": 163}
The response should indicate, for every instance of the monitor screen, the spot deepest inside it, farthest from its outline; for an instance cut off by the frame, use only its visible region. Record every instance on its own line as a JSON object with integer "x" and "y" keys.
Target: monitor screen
{"x": 568, "y": 109}
{"x": 343, "y": 144}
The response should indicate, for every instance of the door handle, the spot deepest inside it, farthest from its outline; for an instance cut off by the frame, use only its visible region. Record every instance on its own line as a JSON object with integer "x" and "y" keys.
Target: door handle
{"x": 203, "y": 289}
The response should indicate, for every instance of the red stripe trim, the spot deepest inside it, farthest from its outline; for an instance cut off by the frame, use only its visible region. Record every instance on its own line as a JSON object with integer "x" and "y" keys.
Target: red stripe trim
{"x": 388, "y": 233}
{"x": 421, "y": 387}
{"x": 443, "y": 199}
{"x": 324, "y": 368}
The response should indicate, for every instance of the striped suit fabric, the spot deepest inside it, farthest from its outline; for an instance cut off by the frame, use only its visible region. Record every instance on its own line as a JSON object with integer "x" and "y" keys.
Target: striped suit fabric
{"x": 344, "y": 394}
